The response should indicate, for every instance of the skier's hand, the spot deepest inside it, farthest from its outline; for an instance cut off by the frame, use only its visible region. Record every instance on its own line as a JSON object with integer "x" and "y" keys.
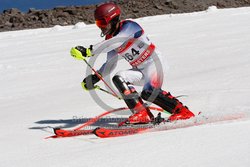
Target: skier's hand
{"x": 80, "y": 52}
{"x": 89, "y": 82}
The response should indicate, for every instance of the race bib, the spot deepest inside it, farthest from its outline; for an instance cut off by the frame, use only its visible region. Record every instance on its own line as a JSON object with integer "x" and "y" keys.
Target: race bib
{"x": 136, "y": 51}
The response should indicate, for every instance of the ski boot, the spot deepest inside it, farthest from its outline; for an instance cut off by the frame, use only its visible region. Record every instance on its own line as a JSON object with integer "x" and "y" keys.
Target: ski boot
{"x": 142, "y": 115}
{"x": 181, "y": 112}
{"x": 169, "y": 103}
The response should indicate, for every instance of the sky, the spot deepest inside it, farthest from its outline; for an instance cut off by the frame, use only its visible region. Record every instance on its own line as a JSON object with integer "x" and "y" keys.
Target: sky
{"x": 24, "y": 5}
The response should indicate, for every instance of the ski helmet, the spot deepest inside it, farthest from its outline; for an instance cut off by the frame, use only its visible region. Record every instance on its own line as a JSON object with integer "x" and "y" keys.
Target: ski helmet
{"x": 106, "y": 17}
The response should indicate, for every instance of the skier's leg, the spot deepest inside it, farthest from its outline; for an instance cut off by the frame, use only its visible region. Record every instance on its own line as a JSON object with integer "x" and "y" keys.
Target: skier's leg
{"x": 141, "y": 113}
{"x": 152, "y": 92}
{"x": 168, "y": 102}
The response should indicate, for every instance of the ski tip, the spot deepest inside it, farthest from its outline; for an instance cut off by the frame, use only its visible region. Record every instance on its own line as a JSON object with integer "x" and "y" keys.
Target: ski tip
{"x": 56, "y": 129}
{"x": 49, "y": 137}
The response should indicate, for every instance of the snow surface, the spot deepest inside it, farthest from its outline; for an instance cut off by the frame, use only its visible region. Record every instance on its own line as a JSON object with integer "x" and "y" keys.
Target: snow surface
{"x": 209, "y": 57}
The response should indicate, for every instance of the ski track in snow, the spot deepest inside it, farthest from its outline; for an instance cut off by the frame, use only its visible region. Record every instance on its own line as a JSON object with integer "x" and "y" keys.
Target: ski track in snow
{"x": 209, "y": 58}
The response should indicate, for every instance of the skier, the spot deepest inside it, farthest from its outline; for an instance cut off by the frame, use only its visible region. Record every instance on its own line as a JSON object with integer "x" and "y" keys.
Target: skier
{"x": 126, "y": 38}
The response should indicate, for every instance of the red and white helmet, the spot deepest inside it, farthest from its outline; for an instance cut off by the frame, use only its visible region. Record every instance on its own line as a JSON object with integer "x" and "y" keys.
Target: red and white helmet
{"x": 106, "y": 15}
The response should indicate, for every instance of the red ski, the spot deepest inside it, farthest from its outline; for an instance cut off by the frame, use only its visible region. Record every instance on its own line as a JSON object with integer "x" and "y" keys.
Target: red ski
{"x": 69, "y": 133}
{"x": 105, "y": 133}
{"x": 59, "y": 133}
{"x": 195, "y": 121}
{"x": 79, "y": 130}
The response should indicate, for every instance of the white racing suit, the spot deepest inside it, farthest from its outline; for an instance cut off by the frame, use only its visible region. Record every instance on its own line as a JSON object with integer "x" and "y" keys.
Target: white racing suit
{"x": 132, "y": 44}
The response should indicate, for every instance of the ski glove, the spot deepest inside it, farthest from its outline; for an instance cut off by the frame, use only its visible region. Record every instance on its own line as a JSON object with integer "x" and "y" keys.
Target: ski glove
{"x": 80, "y": 52}
{"x": 89, "y": 82}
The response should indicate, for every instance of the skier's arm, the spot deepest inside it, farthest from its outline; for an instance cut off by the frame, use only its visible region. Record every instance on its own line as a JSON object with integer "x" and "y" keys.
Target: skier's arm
{"x": 128, "y": 31}
{"x": 89, "y": 82}
{"x": 110, "y": 64}
{"x": 115, "y": 42}
{"x": 80, "y": 52}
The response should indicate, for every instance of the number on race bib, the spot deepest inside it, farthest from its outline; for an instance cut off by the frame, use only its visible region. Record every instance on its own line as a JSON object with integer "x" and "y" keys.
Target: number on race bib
{"x": 128, "y": 57}
{"x": 135, "y": 52}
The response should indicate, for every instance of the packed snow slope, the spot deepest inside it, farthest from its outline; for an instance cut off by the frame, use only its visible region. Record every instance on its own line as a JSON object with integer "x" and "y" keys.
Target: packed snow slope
{"x": 209, "y": 58}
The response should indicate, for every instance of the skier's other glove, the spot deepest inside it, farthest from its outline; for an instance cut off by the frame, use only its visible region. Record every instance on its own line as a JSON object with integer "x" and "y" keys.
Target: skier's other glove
{"x": 80, "y": 52}
{"x": 89, "y": 82}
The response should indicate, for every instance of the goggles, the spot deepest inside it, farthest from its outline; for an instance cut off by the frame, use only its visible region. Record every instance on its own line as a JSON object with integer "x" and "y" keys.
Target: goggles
{"x": 101, "y": 23}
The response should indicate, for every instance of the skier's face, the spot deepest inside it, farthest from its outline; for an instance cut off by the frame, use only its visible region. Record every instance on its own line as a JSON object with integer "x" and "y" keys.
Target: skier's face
{"x": 104, "y": 26}
{"x": 106, "y": 30}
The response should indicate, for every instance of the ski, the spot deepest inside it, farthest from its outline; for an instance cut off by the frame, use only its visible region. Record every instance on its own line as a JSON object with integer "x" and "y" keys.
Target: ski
{"x": 118, "y": 132}
{"x": 103, "y": 132}
{"x": 59, "y": 133}
{"x": 106, "y": 132}
{"x": 69, "y": 133}
{"x": 78, "y": 131}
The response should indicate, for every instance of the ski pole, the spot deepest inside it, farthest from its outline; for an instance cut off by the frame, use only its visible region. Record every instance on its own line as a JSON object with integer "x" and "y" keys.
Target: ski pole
{"x": 101, "y": 78}
{"x": 101, "y": 89}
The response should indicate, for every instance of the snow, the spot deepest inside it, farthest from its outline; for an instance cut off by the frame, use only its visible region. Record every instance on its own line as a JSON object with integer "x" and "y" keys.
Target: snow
{"x": 212, "y": 9}
{"x": 79, "y": 25}
{"x": 208, "y": 55}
